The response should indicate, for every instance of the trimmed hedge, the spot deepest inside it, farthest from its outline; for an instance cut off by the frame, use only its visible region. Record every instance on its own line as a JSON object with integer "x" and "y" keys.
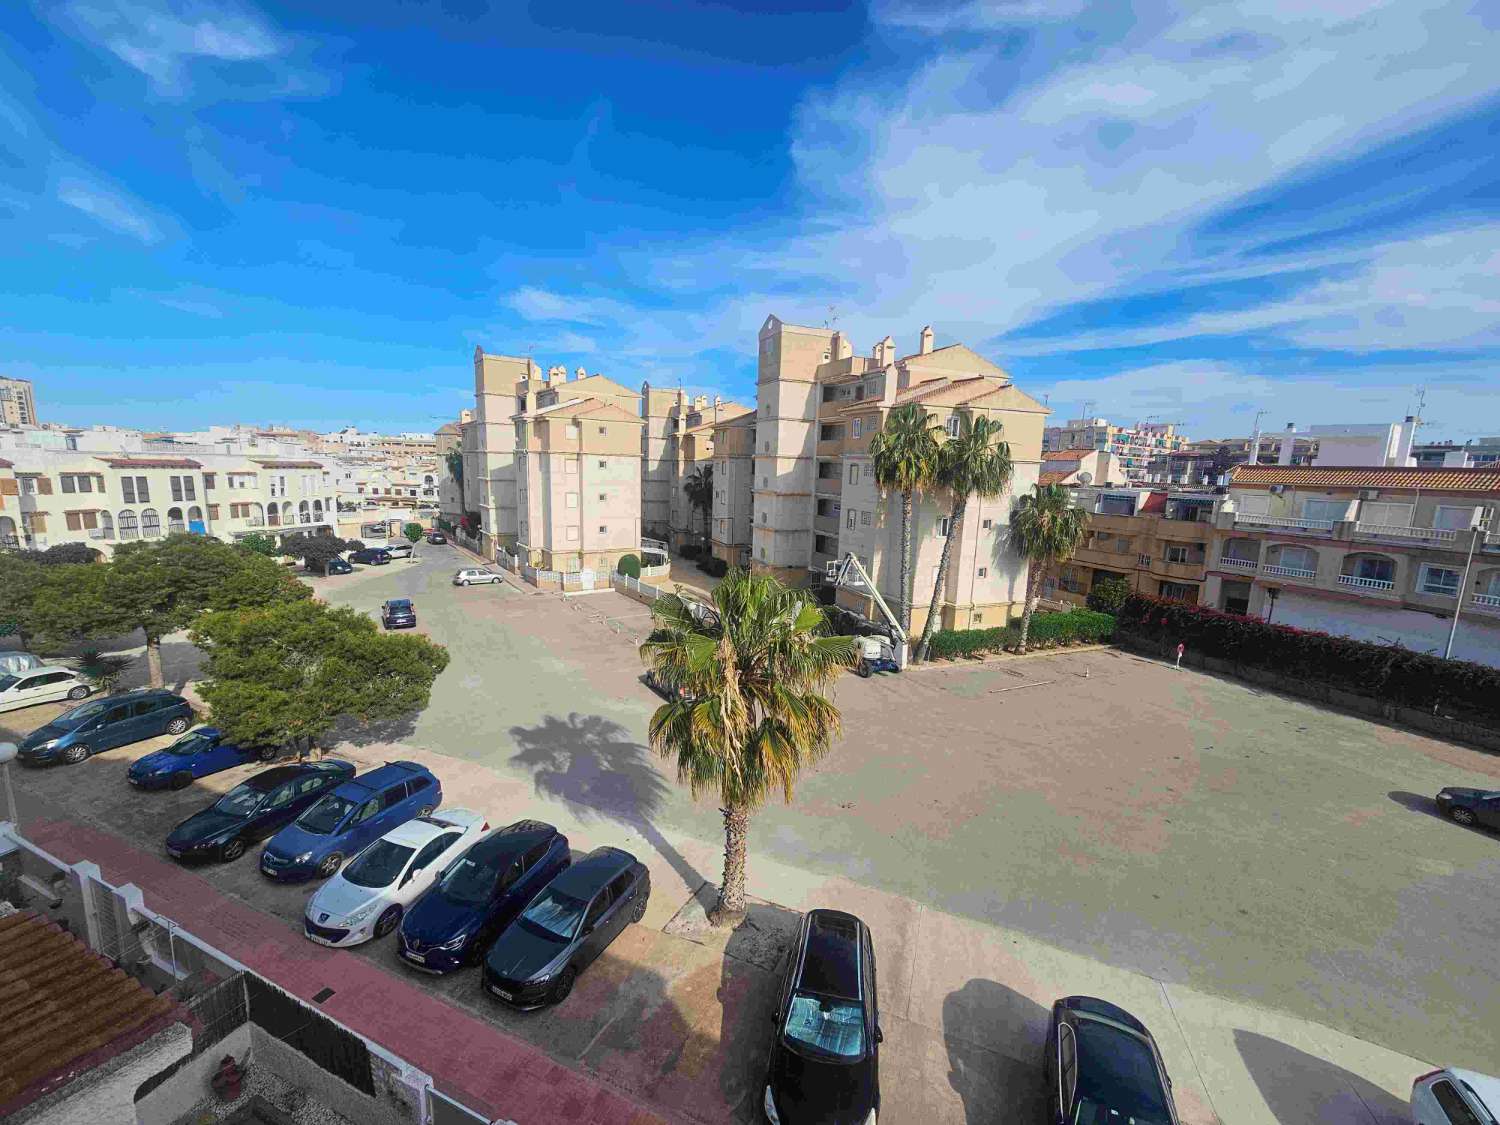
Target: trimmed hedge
{"x": 629, "y": 565}
{"x": 1048, "y": 630}
{"x": 1385, "y": 672}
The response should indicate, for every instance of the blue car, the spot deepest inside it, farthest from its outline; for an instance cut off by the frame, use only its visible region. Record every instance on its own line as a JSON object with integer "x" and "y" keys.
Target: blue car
{"x": 454, "y": 922}
{"x": 358, "y": 812}
{"x": 196, "y": 754}
{"x": 103, "y": 724}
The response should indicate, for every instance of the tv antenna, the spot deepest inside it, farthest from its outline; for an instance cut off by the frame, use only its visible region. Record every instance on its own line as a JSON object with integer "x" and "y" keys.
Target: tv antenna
{"x": 832, "y": 318}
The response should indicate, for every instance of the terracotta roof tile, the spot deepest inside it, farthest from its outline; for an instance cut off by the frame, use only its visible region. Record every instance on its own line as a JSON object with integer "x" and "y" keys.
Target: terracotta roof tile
{"x": 151, "y": 463}
{"x": 1333, "y": 476}
{"x": 4, "y": 464}
{"x": 1067, "y": 454}
{"x": 272, "y": 463}
{"x": 63, "y": 1004}
{"x": 1053, "y": 478}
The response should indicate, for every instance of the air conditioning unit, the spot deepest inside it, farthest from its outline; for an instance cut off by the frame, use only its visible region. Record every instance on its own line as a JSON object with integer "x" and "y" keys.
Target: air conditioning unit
{"x": 1277, "y": 489}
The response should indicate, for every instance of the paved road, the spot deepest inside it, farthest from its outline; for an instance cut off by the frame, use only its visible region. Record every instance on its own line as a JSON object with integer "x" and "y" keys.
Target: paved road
{"x": 1190, "y": 828}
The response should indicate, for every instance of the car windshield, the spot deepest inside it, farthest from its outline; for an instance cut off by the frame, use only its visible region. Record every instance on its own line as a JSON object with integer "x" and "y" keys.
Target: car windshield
{"x": 326, "y": 815}
{"x": 399, "y": 605}
{"x": 1117, "y": 1078}
{"x": 7, "y": 682}
{"x": 379, "y": 865}
{"x": 555, "y": 915}
{"x": 827, "y": 1026}
{"x": 242, "y": 800}
{"x": 190, "y": 744}
{"x": 80, "y": 715}
{"x": 470, "y": 881}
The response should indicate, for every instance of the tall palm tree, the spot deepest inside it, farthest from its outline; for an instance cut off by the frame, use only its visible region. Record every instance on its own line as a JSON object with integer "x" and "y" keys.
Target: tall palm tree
{"x": 747, "y": 714}
{"x": 1046, "y": 528}
{"x": 904, "y": 454}
{"x": 974, "y": 463}
{"x": 699, "y": 487}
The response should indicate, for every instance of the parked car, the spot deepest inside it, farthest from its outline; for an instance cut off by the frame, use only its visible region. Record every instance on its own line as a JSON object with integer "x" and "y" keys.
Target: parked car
{"x": 1455, "y": 1097}
{"x": 537, "y": 957}
{"x": 337, "y": 565}
{"x": 370, "y": 556}
{"x": 13, "y": 662}
{"x": 398, "y": 613}
{"x": 400, "y": 550}
{"x": 1102, "y": 1065}
{"x": 436, "y": 537}
{"x": 196, "y": 754}
{"x": 359, "y": 811}
{"x": 254, "y": 809}
{"x": 368, "y": 897}
{"x": 474, "y": 576}
{"x": 454, "y": 923}
{"x": 1470, "y": 806}
{"x": 103, "y": 724}
{"x": 825, "y": 1053}
{"x": 46, "y": 684}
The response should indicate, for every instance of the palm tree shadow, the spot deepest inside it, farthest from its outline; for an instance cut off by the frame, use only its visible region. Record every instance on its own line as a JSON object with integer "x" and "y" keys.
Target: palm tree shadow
{"x": 594, "y": 765}
{"x": 1301, "y": 1087}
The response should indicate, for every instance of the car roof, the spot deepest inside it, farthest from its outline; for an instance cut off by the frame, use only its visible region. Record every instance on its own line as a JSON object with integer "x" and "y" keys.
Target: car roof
{"x": 1092, "y": 1005}
{"x": 1486, "y": 1087}
{"x": 521, "y": 836}
{"x": 588, "y": 874}
{"x": 38, "y": 669}
{"x": 379, "y": 778}
{"x": 831, "y": 958}
{"x": 269, "y": 779}
{"x": 424, "y": 829}
{"x": 1118, "y": 1068}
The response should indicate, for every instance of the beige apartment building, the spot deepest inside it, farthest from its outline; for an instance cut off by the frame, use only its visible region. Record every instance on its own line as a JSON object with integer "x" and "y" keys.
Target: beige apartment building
{"x": 814, "y": 496}
{"x": 1157, "y": 540}
{"x": 676, "y": 441}
{"x": 17, "y": 402}
{"x": 734, "y": 470}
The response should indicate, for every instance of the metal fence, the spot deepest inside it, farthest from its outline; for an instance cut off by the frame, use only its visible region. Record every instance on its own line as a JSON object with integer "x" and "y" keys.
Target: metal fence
{"x": 635, "y": 586}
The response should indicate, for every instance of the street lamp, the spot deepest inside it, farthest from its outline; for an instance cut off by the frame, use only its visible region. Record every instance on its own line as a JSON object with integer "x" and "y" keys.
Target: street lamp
{"x": 7, "y": 755}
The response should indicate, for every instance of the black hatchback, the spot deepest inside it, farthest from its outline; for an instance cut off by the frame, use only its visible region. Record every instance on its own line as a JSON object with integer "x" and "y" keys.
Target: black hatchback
{"x": 371, "y": 556}
{"x": 1103, "y": 1065}
{"x": 537, "y": 957}
{"x": 825, "y": 1054}
{"x": 398, "y": 613}
{"x": 254, "y": 809}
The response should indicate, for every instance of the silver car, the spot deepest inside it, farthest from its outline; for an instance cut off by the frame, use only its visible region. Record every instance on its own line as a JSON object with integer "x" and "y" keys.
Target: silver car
{"x": 1455, "y": 1097}
{"x": 474, "y": 575}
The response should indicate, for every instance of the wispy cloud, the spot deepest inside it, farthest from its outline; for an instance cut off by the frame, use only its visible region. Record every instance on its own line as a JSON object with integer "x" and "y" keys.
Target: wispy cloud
{"x": 108, "y": 207}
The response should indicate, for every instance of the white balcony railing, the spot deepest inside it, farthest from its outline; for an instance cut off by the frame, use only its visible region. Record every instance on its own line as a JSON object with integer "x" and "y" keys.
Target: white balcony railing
{"x": 1359, "y": 583}
{"x": 1239, "y": 564}
{"x": 1396, "y": 531}
{"x": 254, "y": 521}
{"x": 100, "y": 533}
{"x": 1288, "y": 572}
{"x": 1288, "y": 523}
{"x": 1489, "y": 602}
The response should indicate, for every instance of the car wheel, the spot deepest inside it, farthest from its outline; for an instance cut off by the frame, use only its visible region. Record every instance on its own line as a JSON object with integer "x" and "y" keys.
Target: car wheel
{"x": 426, "y": 811}
{"x": 463, "y": 582}
{"x": 330, "y": 865}
{"x": 564, "y": 985}
{"x": 640, "y": 909}
{"x": 232, "y": 850}
{"x": 863, "y": 668}
{"x": 1462, "y": 816}
{"x": 181, "y": 780}
{"x": 387, "y": 921}
{"x": 266, "y": 753}
{"x": 177, "y": 725}
{"x": 79, "y": 692}
{"x": 75, "y": 753}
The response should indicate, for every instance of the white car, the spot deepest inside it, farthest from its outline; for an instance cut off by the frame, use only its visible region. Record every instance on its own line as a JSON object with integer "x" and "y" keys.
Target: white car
{"x": 473, "y": 575}
{"x": 367, "y": 898}
{"x": 41, "y": 685}
{"x": 400, "y": 550}
{"x": 1455, "y": 1097}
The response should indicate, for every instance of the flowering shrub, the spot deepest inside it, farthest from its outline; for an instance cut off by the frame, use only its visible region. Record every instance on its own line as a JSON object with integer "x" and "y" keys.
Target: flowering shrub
{"x": 1387, "y": 672}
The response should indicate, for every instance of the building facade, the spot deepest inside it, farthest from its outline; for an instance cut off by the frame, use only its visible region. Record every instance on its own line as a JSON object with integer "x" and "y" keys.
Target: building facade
{"x": 1134, "y": 447}
{"x": 734, "y": 470}
{"x": 17, "y": 402}
{"x": 1473, "y": 454}
{"x": 1156, "y": 540}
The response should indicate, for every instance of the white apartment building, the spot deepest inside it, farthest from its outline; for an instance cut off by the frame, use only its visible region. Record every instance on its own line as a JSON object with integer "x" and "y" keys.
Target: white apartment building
{"x": 1133, "y": 447}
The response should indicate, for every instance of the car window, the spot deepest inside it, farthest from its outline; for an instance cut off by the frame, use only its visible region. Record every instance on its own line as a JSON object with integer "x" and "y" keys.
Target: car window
{"x": 393, "y": 796}
{"x": 1067, "y": 1062}
{"x": 826, "y": 1025}
{"x": 619, "y": 887}
{"x": 418, "y": 784}
{"x": 1116, "y": 1076}
{"x": 434, "y": 849}
{"x": 513, "y": 871}
{"x": 144, "y": 706}
{"x": 598, "y": 907}
{"x": 281, "y": 797}
{"x": 8, "y": 682}
{"x": 190, "y": 744}
{"x": 310, "y": 784}
{"x": 379, "y": 865}
{"x": 326, "y": 815}
{"x": 554, "y": 915}
{"x": 368, "y": 809}
{"x": 537, "y": 854}
{"x": 116, "y": 715}
{"x": 242, "y": 800}
{"x": 1453, "y": 1104}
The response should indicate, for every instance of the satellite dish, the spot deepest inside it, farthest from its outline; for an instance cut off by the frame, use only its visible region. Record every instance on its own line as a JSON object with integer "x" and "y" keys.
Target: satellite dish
{"x": 1085, "y": 478}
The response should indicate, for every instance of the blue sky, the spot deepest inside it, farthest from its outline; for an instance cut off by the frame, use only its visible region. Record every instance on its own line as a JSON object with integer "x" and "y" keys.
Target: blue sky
{"x": 311, "y": 213}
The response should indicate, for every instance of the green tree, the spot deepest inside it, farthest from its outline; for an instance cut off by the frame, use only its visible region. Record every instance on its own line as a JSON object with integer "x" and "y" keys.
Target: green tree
{"x": 20, "y": 579}
{"x": 974, "y": 463}
{"x": 750, "y": 715}
{"x": 455, "y": 461}
{"x": 162, "y": 586}
{"x": 700, "y": 493}
{"x": 259, "y": 543}
{"x": 1046, "y": 528}
{"x": 315, "y": 551}
{"x": 74, "y": 604}
{"x": 904, "y": 456}
{"x": 413, "y": 533}
{"x": 1108, "y": 595}
{"x": 292, "y": 672}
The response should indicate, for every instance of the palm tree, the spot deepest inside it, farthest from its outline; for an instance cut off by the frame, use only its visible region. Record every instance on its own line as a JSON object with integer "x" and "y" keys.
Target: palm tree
{"x": 700, "y": 493}
{"x": 1046, "y": 528}
{"x": 974, "y": 463}
{"x": 904, "y": 454}
{"x": 747, "y": 714}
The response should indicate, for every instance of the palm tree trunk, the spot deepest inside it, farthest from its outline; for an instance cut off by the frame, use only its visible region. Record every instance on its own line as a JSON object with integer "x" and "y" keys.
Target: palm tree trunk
{"x": 153, "y": 661}
{"x": 730, "y": 908}
{"x": 1033, "y": 578}
{"x": 955, "y": 525}
{"x": 905, "y": 602}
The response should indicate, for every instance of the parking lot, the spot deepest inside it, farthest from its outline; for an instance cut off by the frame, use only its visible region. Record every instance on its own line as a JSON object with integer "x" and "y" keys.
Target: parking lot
{"x": 1164, "y": 834}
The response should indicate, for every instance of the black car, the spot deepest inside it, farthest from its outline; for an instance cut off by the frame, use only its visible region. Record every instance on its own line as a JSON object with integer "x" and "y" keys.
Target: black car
{"x": 455, "y": 920}
{"x": 1102, "y": 1065}
{"x": 436, "y": 537}
{"x": 825, "y": 1056}
{"x": 1470, "y": 806}
{"x": 254, "y": 809}
{"x": 337, "y": 565}
{"x": 537, "y": 957}
{"x": 398, "y": 613}
{"x": 371, "y": 556}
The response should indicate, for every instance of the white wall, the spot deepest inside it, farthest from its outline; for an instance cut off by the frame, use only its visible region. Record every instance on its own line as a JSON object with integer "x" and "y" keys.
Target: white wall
{"x": 188, "y": 1086}
{"x": 107, "y": 1093}
{"x": 1478, "y": 636}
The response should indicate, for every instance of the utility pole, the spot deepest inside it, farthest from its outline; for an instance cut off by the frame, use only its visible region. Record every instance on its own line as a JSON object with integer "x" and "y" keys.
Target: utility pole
{"x": 1463, "y": 588}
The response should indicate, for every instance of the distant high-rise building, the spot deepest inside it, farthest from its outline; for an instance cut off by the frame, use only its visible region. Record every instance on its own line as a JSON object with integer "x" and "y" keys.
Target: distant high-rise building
{"x": 17, "y": 402}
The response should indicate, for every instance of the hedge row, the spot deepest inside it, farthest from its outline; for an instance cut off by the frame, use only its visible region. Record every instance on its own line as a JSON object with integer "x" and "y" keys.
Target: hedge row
{"x": 1048, "y": 630}
{"x": 1386, "y": 672}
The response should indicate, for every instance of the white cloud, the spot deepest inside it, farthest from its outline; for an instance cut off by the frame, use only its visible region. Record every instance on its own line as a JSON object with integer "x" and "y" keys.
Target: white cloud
{"x": 544, "y": 305}
{"x": 109, "y": 208}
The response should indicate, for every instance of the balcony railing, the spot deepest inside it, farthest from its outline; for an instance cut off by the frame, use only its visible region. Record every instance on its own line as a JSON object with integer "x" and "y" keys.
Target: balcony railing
{"x": 100, "y": 533}
{"x": 1359, "y": 583}
{"x": 1396, "y": 531}
{"x": 1239, "y": 564}
{"x": 1289, "y": 572}
{"x": 1490, "y": 602}
{"x": 254, "y": 521}
{"x": 1288, "y": 523}
{"x": 174, "y": 526}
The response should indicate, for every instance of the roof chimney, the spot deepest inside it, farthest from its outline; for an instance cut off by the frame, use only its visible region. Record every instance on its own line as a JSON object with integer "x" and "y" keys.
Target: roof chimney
{"x": 885, "y": 351}
{"x": 926, "y": 345}
{"x": 582, "y": 374}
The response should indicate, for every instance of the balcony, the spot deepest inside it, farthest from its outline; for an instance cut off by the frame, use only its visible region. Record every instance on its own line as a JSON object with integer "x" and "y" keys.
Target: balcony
{"x": 100, "y": 533}
{"x": 1288, "y": 572}
{"x": 1486, "y": 603}
{"x": 1239, "y": 564}
{"x": 1283, "y": 523}
{"x": 1354, "y": 581}
{"x": 828, "y": 486}
{"x": 1434, "y": 536}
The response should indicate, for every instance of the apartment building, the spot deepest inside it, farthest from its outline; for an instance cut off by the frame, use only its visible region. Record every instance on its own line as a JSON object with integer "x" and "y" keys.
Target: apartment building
{"x": 17, "y": 402}
{"x": 1472, "y": 454}
{"x": 734, "y": 471}
{"x": 1080, "y": 466}
{"x": 814, "y": 496}
{"x": 677, "y": 440}
{"x": 1133, "y": 447}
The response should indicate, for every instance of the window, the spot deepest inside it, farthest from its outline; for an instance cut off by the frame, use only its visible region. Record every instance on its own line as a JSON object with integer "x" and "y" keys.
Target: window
{"x": 1177, "y": 554}
{"x": 1298, "y": 558}
{"x": 1438, "y": 580}
{"x": 208, "y": 482}
{"x": 858, "y": 427}
{"x": 1332, "y": 510}
{"x": 308, "y": 785}
{"x": 1374, "y": 567}
{"x": 952, "y": 425}
{"x": 853, "y": 474}
{"x": 1385, "y": 514}
{"x": 602, "y": 464}
{"x": 571, "y": 499}
{"x": 942, "y": 527}
{"x": 763, "y": 517}
{"x": 603, "y": 496}
{"x": 864, "y": 519}
{"x": 1453, "y": 518}
{"x": 150, "y": 523}
{"x": 367, "y": 810}
{"x": 1179, "y": 592}
{"x": 984, "y": 572}
{"x": 597, "y": 908}
{"x": 987, "y": 524}
{"x": 603, "y": 430}
{"x": 1143, "y": 560}
{"x": 1453, "y": 1104}
{"x": 128, "y": 526}
{"x": 849, "y": 522}
{"x": 393, "y": 796}
{"x": 603, "y": 530}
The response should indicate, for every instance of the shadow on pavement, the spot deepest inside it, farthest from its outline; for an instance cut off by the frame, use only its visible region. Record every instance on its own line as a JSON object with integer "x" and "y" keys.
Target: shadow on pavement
{"x": 593, "y": 763}
{"x": 1416, "y": 803}
{"x": 749, "y": 981}
{"x": 995, "y": 1036}
{"x": 1299, "y": 1087}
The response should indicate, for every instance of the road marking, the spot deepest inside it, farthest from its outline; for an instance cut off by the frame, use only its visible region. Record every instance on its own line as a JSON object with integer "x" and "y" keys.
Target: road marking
{"x": 1018, "y": 687}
